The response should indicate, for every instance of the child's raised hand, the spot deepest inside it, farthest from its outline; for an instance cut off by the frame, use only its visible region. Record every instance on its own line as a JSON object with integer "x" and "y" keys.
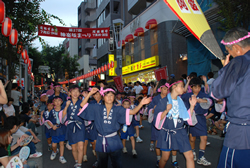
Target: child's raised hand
{"x": 42, "y": 113}
{"x": 146, "y": 100}
{"x": 68, "y": 103}
{"x": 193, "y": 100}
{"x": 93, "y": 91}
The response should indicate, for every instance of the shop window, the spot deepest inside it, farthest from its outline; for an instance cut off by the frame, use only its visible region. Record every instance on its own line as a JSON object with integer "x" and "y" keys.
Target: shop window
{"x": 116, "y": 7}
{"x": 142, "y": 47}
{"x": 154, "y": 42}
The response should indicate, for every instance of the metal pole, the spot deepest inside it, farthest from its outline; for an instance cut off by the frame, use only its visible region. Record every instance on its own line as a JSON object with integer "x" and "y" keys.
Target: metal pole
{"x": 20, "y": 70}
{"x": 26, "y": 79}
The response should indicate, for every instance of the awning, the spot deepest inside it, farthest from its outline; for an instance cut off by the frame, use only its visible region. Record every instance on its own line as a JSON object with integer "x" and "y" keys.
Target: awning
{"x": 211, "y": 15}
{"x": 152, "y": 23}
{"x": 129, "y": 38}
{"x": 119, "y": 43}
{"x": 139, "y": 31}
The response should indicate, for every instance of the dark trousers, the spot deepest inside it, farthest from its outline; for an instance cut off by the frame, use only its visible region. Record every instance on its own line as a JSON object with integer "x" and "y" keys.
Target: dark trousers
{"x": 116, "y": 159}
{"x": 16, "y": 110}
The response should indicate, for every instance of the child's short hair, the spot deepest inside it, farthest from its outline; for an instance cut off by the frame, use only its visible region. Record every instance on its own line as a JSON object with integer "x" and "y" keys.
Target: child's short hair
{"x": 11, "y": 122}
{"x": 195, "y": 81}
{"x": 49, "y": 102}
{"x": 74, "y": 87}
{"x": 57, "y": 97}
{"x": 126, "y": 100}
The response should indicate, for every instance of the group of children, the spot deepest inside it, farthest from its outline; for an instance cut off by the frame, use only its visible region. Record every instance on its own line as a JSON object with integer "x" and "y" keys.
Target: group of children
{"x": 177, "y": 119}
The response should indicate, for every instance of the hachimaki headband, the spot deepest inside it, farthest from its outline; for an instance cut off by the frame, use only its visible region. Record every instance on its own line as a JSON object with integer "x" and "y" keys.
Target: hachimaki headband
{"x": 236, "y": 41}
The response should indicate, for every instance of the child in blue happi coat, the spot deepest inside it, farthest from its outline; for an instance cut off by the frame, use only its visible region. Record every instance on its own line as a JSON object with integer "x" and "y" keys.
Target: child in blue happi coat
{"x": 171, "y": 116}
{"x": 57, "y": 129}
{"x": 108, "y": 119}
{"x": 128, "y": 130}
{"x": 201, "y": 109}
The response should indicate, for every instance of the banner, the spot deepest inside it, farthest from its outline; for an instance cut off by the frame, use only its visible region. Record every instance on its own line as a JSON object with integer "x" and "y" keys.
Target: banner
{"x": 118, "y": 83}
{"x": 112, "y": 70}
{"x": 191, "y": 15}
{"x": 161, "y": 73}
{"x": 71, "y": 32}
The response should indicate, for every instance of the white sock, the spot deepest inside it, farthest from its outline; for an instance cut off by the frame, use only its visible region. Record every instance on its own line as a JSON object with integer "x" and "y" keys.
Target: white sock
{"x": 173, "y": 158}
{"x": 158, "y": 157}
{"x": 76, "y": 161}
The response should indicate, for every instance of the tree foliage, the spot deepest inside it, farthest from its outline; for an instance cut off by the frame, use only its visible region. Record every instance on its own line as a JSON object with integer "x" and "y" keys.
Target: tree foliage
{"x": 26, "y": 15}
{"x": 234, "y": 13}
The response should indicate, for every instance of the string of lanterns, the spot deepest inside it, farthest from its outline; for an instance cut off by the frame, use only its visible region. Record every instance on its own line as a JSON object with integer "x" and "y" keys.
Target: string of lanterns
{"x": 92, "y": 73}
{"x": 12, "y": 33}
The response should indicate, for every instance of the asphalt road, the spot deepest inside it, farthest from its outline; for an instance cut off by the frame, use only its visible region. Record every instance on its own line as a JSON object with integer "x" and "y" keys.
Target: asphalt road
{"x": 145, "y": 159}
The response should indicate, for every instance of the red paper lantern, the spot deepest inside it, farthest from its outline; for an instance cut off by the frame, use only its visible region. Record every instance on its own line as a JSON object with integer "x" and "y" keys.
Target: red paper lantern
{"x": 105, "y": 67}
{"x": 13, "y": 37}
{"x": 2, "y": 11}
{"x": 24, "y": 54}
{"x": 108, "y": 65}
{"x": 112, "y": 64}
{"x": 94, "y": 72}
{"x": 26, "y": 61}
{"x": 102, "y": 68}
{"x": 99, "y": 70}
{"x": 6, "y": 27}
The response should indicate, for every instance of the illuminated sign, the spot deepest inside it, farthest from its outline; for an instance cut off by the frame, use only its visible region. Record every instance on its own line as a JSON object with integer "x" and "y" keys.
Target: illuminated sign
{"x": 112, "y": 70}
{"x": 141, "y": 65}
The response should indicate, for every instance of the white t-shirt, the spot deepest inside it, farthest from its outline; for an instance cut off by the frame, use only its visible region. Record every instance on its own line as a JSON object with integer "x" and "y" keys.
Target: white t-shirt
{"x": 9, "y": 110}
{"x": 210, "y": 81}
{"x": 15, "y": 95}
{"x": 138, "y": 89}
{"x": 17, "y": 135}
{"x": 175, "y": 111}
{"x": 149, "y": 89}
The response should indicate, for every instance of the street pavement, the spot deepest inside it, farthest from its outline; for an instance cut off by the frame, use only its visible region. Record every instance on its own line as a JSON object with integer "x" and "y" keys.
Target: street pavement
{"x": 145, "y": 159}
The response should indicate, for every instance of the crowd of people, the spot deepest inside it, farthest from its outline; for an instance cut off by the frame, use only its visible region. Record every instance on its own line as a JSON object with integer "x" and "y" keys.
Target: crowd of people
{"x": 179, "y": 109}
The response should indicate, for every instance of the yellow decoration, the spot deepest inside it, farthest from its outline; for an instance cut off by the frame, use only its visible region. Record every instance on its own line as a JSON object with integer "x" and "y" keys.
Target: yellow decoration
{"x": 141, "y": 65}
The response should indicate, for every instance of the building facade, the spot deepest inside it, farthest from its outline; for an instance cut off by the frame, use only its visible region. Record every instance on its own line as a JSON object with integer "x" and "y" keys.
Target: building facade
{"x": 71, "y": 46}
{"x": 148, "y": 38}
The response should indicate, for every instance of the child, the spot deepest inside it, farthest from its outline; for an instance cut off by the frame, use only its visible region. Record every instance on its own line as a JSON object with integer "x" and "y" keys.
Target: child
{"x": 75, "y": 131}
{"x": 57, "y": 130}
{"x": 173, "y": 135}
{"x": 136, "y": 119}
{"x": 108, "y": 120}
{"x": 44, "y": 117}
{"x": 91, "y": 132}
{"x": 128, "y": 131}
{"x": 163, "y": 90}
{"x": 201, "y": 109}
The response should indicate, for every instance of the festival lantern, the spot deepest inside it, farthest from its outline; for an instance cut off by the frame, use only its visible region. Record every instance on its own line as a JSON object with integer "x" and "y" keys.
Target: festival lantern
{"x": 108, "y": 65}
{"x": 24, "y": 54}
{"x": 102, "y": 68}
{"x": 26, "y": 61}
{"x": 94, "y": 72}
{"x": 2, "y": 11}
{"x": 6, "y": 27}
{"x": 13, "y": 37}
{"x": 105, "y": 67}
{"x": 112, "y": 64}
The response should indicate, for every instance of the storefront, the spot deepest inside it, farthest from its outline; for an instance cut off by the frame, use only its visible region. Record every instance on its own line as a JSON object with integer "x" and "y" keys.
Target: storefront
{"x": 142, "y": 71}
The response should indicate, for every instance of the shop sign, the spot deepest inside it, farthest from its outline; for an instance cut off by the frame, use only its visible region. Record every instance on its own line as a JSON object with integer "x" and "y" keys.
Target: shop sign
{"x": 112, "y": 70}
{"x": 118, "y": 83}
{"x": 141, "y": 65}
{"x": 128, "y": 59}
{"x": 161, "y": 73}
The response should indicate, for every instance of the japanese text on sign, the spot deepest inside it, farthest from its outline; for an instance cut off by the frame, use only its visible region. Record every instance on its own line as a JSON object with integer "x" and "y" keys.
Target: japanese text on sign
{"x": 69, "y": 32}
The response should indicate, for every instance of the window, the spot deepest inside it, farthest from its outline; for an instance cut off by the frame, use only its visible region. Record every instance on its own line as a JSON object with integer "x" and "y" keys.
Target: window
{"x": 101, "y": 18}
{"x": 141, "y": 47}
{"x": 99, "y": 2}
{"x": 79, "y": 23}
{"x": 101, "y": 42}
{"x": 131, "y": 51}
{"x": 116, "y": 7}
{"x": 154, "y": 42}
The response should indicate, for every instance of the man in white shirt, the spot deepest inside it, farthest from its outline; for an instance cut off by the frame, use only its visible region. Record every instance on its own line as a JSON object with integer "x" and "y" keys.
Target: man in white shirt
{"x": 16, "y": 95}
{"x": 210, "y": 77}
{"x": 8, "y": 108}
{"x": 137, "y": 88}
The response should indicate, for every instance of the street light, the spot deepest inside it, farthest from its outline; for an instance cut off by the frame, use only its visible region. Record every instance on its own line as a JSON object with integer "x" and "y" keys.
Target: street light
{"x": 117, "y": 26}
